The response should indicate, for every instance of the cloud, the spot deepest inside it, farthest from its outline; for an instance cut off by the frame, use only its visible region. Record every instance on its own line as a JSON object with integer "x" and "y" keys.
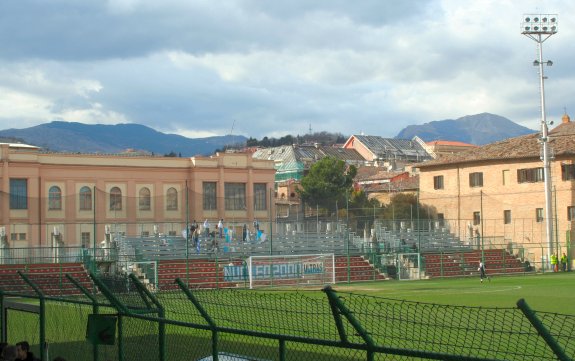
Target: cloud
{"x": 275, "y": 68}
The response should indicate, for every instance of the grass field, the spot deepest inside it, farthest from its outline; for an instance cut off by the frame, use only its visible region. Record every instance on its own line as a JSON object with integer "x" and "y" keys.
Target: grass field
{"x": 549, "y": 292}
{"x": 305, "y": 312}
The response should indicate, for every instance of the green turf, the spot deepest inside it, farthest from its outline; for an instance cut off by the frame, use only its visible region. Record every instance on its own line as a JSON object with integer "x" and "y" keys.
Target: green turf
{"x": 550, "y": 292}
{"x": 306, "y": 309}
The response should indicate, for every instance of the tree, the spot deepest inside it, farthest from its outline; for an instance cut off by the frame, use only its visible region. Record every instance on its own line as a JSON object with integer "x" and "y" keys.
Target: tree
{"x": 362, "y": 210}
{"x": 327, "y": 181}
{"x": 404, "y": 206}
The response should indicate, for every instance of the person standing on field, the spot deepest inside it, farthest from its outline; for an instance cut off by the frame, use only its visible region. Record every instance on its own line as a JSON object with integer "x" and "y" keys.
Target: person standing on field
{"x": 482, "y": 273}
{"x": 554, "y": 262}
{"x": 564, "y": 262}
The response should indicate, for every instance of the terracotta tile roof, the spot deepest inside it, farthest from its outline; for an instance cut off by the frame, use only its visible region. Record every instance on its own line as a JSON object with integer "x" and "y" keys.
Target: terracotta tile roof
{"x": 402, "y": 185}
{"x": 365, "y": 173}
{"x": 450, "y": 142}
{"x": 562, "y": 140}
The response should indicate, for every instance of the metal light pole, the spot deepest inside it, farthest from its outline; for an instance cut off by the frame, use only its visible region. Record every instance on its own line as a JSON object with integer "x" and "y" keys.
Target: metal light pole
{"x": 540, "y": 27}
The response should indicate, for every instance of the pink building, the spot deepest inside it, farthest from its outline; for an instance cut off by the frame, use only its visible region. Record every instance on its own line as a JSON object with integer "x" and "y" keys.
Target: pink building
{"x": 74, "y": 199}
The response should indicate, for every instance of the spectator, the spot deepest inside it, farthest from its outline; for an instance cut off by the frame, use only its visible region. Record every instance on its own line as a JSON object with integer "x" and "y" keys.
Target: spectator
{"x": 221, "y": 228}
{"x": 244, "y": 233}
{"x": 9, "y": 353}
{"x": 23, "y": 348}
{"x": 197, "y": 239}
{"x": 192, "y": 233}
{"x": 207, "y": 228}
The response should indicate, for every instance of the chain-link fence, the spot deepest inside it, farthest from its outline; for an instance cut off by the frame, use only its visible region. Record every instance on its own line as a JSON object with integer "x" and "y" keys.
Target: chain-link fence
{"x": 121, "y": 319}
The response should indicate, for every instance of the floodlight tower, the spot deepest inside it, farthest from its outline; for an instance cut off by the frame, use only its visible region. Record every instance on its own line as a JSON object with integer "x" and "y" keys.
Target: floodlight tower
{"x": 540, "y": 27}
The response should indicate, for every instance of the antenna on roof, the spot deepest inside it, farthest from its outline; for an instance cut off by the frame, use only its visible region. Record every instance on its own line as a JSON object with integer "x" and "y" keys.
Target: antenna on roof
{"x": 309, "y": 128}
{"x": 231, "y": 143}
{"x": 232, "y": 130}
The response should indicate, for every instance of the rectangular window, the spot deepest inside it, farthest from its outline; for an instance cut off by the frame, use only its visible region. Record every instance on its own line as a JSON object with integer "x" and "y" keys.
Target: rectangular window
{"x": 209, "y": 200}
{"x": 476, "y": 179}
{"x": 85, "y": 239}
{"x": 235, "y": 196}
{"x": 145, "y": 233}
{"x": 172, "y": 233}
{"x": 530, "y": 175}
{"x": 571, "y": 213}
{"x": 505, "y": 176}
{"x": 567, "y": 172}
{"x": 18, "y": 193}
{"x": 17, "y": 236}
{"x": 260, "y": 202}
{"x": 440, "y": 219}
{"x": 476, "y": 218}
{"x": 539, "y": 215}
{"x": 438, "y": 182}
{"x": 507, "y": 216}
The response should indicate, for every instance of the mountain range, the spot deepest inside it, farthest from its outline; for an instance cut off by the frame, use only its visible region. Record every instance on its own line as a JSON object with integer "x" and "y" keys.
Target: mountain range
{"x": 83, "y": 138}
{"x": 74, "y": 137}
{"x": 478, "y": 129}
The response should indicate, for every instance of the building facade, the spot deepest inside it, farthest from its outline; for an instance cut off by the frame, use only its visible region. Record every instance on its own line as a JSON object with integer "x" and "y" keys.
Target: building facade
{"x": 74, "y": 199}
{"x": 495, "y": 193}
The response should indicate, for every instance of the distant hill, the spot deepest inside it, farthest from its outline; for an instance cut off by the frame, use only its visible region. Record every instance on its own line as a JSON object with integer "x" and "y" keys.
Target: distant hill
{"x": 476, "y": 129}
{"x": 98, "y": 138}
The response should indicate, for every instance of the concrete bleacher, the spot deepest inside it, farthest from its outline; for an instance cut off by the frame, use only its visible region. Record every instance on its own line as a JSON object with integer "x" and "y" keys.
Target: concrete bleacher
{"x": 460, "y": 264}
{"x": 50, "y": 278}
{"x": 209, "y": 273}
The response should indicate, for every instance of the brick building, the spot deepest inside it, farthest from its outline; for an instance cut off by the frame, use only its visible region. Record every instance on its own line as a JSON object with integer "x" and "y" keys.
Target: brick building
{"x": 497, "y": 190}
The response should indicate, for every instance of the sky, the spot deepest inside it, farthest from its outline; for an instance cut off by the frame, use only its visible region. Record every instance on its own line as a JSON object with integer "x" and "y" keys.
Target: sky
{"x": 260, "y": 68}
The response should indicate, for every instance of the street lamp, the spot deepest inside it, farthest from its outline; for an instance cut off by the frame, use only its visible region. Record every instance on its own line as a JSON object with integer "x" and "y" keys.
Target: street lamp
{"x": 540, "y": 27}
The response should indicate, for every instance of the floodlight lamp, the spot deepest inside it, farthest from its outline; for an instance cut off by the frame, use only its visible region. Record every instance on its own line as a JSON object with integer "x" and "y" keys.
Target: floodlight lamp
{"x": 536, "y": 28}
{"x": 544, "y": 28}
{"x": 527, "y": 28}
{"x": 544, "y": 20}
{"x": 553, "y": 28}
{"x": 553, "y": 20}
{"x": 536, "y": 20}
{"x": 527, "y": 19}
{"x": 549, "y": 63}
{"x": 535, "y": 62}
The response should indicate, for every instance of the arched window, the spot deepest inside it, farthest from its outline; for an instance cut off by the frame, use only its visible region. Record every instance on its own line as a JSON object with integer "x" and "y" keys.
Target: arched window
{"x": 54, "y": 198}
{"x": 144, "y": 200}
{"x": 172, "y": 199}
{"x": 85, "y": 199}
{"x": 115, "y": 199}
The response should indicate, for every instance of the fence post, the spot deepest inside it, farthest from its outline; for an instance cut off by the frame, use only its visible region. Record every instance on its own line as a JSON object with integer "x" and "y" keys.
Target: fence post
{"x": 3, "y": 323}
{"x": 205, "y": 315}
{"x": 542, "y": 330}
{"x": 161, "y": 314}
{"x": 43, "y": 355}
{"x": 337, "y": 305}
{"x": 95, "y": 308}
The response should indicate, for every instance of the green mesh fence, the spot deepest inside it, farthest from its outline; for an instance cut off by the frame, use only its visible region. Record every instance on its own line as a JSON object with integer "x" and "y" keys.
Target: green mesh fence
{"x": 234, "y": 324}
